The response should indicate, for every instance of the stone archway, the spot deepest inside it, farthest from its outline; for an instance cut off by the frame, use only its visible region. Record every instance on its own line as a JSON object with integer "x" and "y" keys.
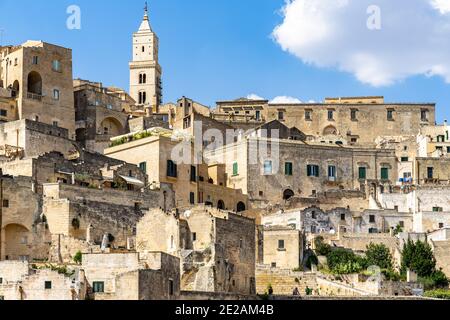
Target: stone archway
{"x": 34, "y": 83}
{"x": 221, "y": 205}
{"x": 288, "y": 194}
{"x": 111, "y": 127}
{"x": 17, "y": 242}
{"x": 240, "y": 207}
{"x": 330, "y": 131}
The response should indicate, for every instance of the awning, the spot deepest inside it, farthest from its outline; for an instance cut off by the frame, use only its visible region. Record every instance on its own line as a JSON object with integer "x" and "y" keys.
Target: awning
{"x": 133, "y": 181}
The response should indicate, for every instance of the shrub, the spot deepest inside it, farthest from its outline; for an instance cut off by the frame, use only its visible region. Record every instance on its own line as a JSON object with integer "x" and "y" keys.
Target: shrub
{"x": 438, "y": 294}
{"x": 78, "y": 258}
{"x": 341, "y": 261}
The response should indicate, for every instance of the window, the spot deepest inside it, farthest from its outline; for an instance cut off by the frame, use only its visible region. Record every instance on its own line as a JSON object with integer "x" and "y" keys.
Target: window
{"x": 35, "y": 60}
{"x": 372, "y": 219}
{"x": 281, "y": 245}
{"x": 192, "y": 198}
{"x": 3, "y": 113}
{"x": 56, "y": 65}
{"x": 142, "y": 97}
{"x": 401, "y": 224}
{"x": 404, "y": 159}
{"x": 273, "y": 264}
{"x": 268, "y": 167}
{"x": 24, "y": 240}
{"x": 280, "y": 115}
{"x": 438, "y": 209}
{"x": 98, "y": 287}
{"x": 235, "y": 169}
{"x": 343, "y": 217}
{"x": 143, "y": 166}
{"x": 441, "y": 225}
{"x": 424, "y": 115}
{"x": 332, "y": 172}
{"x": 261, "y": 193}
{"x": 172, "y": 169}
{"x": 384, "y": 173}
{"x": 308, "y": 115}
{"x": 55, "y": 123}
{"x": 171, "y": 287}
{"x": 194, "y": 236}
{"x": 430, "y": 172}
{"x": 143, "y": 49}
{"x": 5, "y": 203}
{"x": 313, "y": 214}
{"x": 330, "y": 115}
{"x": 142, "y": 78}
{"x": 48, "y": 285}
{"x": 258, "y": 115}
{"x": 312, "y": 170}
{"x": 390, "y": 114}
{"x": 56, "y": 94}
{"x": 288, "y": 170}
{"x": 193, "y": 174}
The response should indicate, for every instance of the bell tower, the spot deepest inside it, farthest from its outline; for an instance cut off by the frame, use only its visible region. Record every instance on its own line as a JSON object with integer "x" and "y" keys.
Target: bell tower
{"x": 145, "y": 71}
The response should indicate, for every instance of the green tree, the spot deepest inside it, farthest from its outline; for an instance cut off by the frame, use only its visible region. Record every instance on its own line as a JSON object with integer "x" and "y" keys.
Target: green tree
{"x": 322, "y": 248}
{"x": 343, "y": 261}
{"x": 418, "y": 257}
{"x": 379, "y": 255}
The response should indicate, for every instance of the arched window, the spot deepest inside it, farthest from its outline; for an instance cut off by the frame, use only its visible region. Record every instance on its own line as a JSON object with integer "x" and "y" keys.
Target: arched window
{"x": 221, "y": 205}
{"x": 142, "y": 97}
{"x": 34, "y": 83}
{"x": 142, "y": 78}
{"x": 288, "y": 194}
{"x": 240, "y": 207}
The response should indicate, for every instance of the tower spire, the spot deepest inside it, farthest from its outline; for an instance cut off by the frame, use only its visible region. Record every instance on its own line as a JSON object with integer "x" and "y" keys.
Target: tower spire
{"x": 146, "y": 10}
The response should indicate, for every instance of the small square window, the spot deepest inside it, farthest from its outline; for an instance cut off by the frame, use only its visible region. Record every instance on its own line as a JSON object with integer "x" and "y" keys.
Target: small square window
{"x": 5, "y": 203}
{"x": 372, "y": 219}
{"x": 48, "y": 285}
{"x": 98, "y": 287}
{"x": 281, "y": 245}
{"x": 273, "y": 264}
{"x": 343, "y": 217}
{"x": 441, "y": 225}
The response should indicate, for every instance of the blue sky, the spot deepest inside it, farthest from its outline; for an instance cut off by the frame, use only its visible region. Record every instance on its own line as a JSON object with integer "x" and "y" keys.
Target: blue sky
{"x": 209, "y": 50}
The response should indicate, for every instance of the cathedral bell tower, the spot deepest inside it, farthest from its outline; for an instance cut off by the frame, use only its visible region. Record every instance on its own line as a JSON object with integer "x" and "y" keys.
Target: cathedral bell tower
{"x": 145, "y": 71}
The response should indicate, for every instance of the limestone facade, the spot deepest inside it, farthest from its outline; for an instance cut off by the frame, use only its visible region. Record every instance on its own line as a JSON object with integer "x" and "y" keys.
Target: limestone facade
{"x": 216, "y": 248}
{"x": 40, "y": 76}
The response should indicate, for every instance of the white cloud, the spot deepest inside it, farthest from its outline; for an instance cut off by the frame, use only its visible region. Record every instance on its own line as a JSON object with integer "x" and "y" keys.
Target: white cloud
{"x": 442, "y": 5}
{"x": 253, "y": 96}
{"x": 413, "y": 39}
{"x": 285, "y": 99}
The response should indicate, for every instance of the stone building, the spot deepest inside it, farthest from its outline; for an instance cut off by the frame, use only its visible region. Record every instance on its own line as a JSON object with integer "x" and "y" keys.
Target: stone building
{"x": 132, "y": 276}
{"x": 145, "y": 71}
{"x": 24, "y": 236}
{"x": 19, "y": 281}
{"x": 99, "y": 114}
{"x": 39, "y": 76}
{"x": 283, "y": 247}
{"x": 216, "y": 248}
{"x": 346, "y": 118}
{"x": 170, "y": 159}
{"x": 434, "y": 141}
{"x": 433, "y": 171}
{"x": 273, "y": 171}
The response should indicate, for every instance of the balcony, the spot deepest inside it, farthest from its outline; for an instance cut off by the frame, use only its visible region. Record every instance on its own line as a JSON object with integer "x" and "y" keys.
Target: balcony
{"x": 34, "y": 96}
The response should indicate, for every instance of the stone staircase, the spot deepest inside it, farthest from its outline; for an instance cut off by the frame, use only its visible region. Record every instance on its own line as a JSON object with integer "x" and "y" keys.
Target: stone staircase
{"x": 283, "y": 281}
